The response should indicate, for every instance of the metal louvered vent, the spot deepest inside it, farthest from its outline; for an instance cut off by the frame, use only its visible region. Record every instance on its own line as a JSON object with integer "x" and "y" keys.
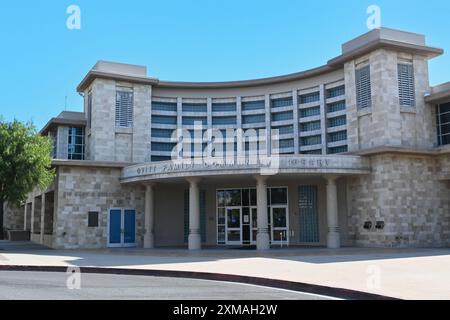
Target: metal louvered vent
{"x": 124, "y": 109}
{"x": 406, "y": 85}
{"x": 363, "y": 89}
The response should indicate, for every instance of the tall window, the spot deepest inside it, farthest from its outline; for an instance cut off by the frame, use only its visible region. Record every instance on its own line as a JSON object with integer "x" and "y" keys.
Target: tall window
{"x": 76, "y": 143}
{"x": 124, "y": 109}
{"x": 363, "y": 89}
{"x": 406, "y": 90}
{"x": 443, "y": 123}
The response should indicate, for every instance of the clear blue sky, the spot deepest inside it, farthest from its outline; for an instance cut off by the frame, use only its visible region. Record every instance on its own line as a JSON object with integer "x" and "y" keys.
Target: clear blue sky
{"x": 191, "y": 40}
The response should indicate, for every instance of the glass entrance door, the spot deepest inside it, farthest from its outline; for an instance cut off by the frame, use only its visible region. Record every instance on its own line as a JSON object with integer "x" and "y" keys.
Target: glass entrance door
{"x": 279, "y": 219}
{"x": 233, "y": 226}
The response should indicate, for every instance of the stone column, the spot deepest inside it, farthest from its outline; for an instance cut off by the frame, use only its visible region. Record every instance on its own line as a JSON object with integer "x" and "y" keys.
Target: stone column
{"x": 333, "y": 237}
{"x": 262, "y": 237}
{"x": 149, "y": 237}
{"x": 194, "y": 240}
{"x": 41, "y": 239}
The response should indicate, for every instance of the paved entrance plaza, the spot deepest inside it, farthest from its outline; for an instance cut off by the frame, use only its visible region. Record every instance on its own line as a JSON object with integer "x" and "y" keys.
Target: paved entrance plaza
{"x": 399, "y": 273}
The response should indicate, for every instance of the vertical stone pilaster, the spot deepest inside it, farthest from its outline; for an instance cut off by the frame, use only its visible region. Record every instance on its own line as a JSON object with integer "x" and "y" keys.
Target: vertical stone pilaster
{"x": 179, "y": 126}
{"x": 141, "y": 148}
{"x": 41, "y": 240}
{"x": 296, "y": 124}
{"x": 268, "y": 125}
{"x": 194, "y": 239}
{"x": 33, "y": 205}
{"x": 262, "y": 237}
{"x": 323, "y": 118}
{"x": 25, "y": 217}
{"x": 149, "y": 237}
{"x": 333, "y": 236}
{"x": 62, "y": 142}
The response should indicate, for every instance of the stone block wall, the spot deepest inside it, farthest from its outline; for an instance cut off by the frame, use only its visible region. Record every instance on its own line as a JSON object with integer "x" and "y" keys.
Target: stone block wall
{"x": 83, "y": 189}
{"x": 387, "y": 123}
{"x": 105, "y": 142}
{"x": 13, "y": 217}
{"x": 405, "y": 193}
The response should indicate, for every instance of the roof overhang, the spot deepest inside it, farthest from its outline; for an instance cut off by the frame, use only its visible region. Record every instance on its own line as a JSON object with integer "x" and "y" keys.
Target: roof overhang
{"x": 429, "y": 52}
{"x": 54, "y": 122}
{"x": 92, "y": 75}
{"x": 439, "y": 94}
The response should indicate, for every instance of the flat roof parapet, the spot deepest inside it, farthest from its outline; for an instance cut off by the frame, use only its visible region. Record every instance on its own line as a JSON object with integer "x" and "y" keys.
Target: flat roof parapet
{"x": 384, "y": 34}
{"x": 120, "y": 68}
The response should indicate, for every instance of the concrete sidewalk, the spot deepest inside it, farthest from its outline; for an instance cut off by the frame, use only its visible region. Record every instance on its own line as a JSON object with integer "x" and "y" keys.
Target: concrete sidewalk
{"x": 400, "y": 273}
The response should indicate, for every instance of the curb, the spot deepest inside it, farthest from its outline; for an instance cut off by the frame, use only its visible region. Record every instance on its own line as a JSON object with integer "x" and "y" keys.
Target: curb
{"x": 340, "y": 293}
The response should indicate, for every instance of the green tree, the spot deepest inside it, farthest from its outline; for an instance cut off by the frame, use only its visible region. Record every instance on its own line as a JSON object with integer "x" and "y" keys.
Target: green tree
{"x": 25, "y": 163}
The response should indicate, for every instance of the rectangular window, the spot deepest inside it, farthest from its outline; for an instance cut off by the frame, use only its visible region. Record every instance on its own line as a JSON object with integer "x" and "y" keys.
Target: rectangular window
{"x": 161, "y": 158}
{"x": 284, "y": 129}
{"x": 124, "y": 109}
{"x": 76, "y": 143}
{"x": 311, "y": 141}
{"x": 162, "y": 133}
{"x": 406, "y": 89}
{"x": 164, "y": 120}
{"x": 164, "y": 106}
{"x": 161, "y": 146}
{"x": 443, "y": 123}
{"x": 190, "y": 121}
{"x": 363, "y": 88}
{"x": 282, "y": 116}
{"x": 93, "y": 219}
{"x": 224, "y": 120}
{"x": 286, "y": 143}
{"x": 336, "y": 92}
{"x": 310, "y": 97}
{"x": 282, "y": 102}
{"x": 310, "y": 126}
{"x": 224, "y": 107}
{"x": 257, "y": 118}
{"x": 195, "y": 107}
{"x": 312, "y": 152}
{"x": 310, "y": 112}
{"x": 253, "y": 105}
{"x": 336, "y": 150}
{"x": 337, "y": 136}
{"x": 336, "y": 106}
{"x": 336, "y": 122}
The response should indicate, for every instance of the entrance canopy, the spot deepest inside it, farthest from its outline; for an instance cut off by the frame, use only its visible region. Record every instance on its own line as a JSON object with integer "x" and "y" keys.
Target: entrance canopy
{"x": 270, "y": 166}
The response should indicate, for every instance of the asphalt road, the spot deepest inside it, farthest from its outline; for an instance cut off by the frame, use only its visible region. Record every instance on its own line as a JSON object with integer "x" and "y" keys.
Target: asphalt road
{"x": 53, "y": 286}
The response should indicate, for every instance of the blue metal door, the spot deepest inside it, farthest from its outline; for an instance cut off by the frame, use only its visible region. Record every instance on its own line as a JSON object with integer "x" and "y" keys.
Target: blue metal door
{"x": 129, "y": 237}
{"x": 115, "y": 227}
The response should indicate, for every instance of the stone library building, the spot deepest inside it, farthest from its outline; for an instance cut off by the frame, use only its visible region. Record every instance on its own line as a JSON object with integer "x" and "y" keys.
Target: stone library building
{"x": 353, "y": 153}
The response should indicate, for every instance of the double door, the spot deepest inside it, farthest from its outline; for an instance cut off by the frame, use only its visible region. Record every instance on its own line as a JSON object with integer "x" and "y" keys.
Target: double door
{"x": 242, "y": 225}
{"x": 122, "y": 228}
